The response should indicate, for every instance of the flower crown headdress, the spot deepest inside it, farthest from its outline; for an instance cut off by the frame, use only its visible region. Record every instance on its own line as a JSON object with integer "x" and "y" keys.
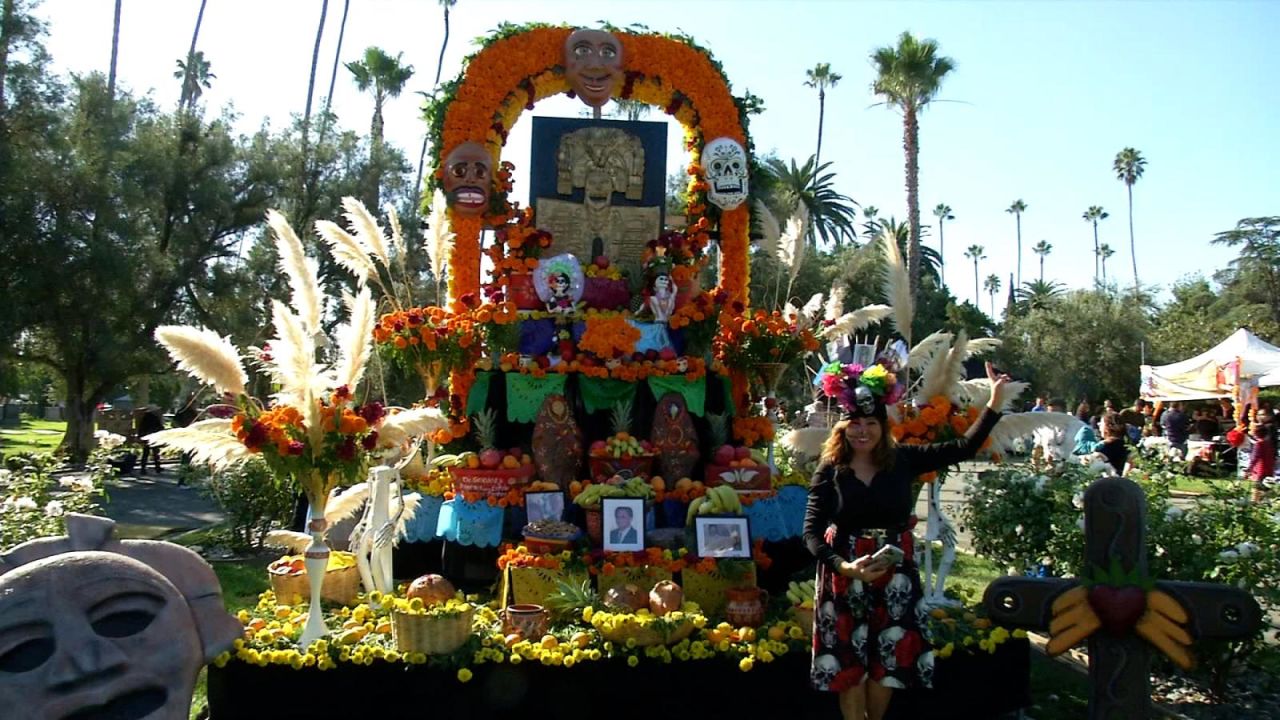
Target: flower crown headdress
{"x": 860, "y": 389}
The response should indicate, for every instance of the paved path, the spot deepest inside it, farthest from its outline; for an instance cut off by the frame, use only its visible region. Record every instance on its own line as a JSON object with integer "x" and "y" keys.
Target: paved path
{"x": 154, "y": 506}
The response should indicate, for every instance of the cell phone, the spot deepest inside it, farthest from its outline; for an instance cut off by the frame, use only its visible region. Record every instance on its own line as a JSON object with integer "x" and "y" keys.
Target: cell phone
{"x": 888, "y": 556}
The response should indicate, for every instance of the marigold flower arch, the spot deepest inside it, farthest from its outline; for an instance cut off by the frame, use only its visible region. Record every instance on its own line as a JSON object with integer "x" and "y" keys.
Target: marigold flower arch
{"x": 521, "y": 66}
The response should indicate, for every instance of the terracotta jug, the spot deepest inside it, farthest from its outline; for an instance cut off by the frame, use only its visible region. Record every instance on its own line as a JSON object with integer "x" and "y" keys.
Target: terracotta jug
{"x": 746, "y": 606}
{"x": 528, "y": 621}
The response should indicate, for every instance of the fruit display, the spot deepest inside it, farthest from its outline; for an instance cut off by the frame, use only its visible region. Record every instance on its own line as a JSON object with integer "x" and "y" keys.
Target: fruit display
{"x": 288, "y": 577}
{"x": 621, "y": 451}
{"x": 621, "y": 445}
{"x": 627, "y": 597}
{"x": 491, "y": 471}
{"x": 743, "y": 469}
{"x": 719, "y": 500}
{"x": 665, "y": 597}
{"x": 431, "y": 589}
{"x": 592, "y": 496}
{"x": 801, "y": 594}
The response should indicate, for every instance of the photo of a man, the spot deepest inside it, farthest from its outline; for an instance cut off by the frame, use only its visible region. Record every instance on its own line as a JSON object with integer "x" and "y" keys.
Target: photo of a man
{"x": 623, "y": 524}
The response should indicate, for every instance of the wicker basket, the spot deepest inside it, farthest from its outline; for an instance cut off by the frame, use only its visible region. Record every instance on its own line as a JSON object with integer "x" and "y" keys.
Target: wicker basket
{"x": 646, "y": 636}
{"x": 340, "y": 586}
{"x": 430, "y": 635}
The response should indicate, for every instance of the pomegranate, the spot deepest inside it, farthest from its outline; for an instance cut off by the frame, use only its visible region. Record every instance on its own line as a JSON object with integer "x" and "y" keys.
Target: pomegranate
{"x": 665, "y": 597}
{"x": 432, "y": 589}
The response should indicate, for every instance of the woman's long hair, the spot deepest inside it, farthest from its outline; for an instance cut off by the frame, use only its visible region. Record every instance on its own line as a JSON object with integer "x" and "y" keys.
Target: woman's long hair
{"x": 837, "y": 451}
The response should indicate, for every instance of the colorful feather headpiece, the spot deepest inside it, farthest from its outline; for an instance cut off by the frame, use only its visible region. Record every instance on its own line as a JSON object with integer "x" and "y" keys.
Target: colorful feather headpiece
{"x": 863, "y": 391}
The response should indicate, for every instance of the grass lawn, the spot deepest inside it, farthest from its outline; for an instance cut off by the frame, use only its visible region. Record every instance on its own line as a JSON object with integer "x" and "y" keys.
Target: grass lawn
{"x": 31, "y": 436}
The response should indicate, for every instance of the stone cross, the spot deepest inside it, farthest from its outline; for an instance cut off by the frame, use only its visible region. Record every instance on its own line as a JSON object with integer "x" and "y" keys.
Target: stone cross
{"x": 1119, "y": 658}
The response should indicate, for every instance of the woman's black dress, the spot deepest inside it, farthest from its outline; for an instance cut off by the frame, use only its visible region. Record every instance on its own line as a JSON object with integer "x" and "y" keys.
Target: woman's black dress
{"x": 877, "y": 630}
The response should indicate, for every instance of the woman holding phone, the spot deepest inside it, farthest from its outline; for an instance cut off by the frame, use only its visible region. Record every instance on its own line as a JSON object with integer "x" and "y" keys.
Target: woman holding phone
{"x": 869, "y": 636}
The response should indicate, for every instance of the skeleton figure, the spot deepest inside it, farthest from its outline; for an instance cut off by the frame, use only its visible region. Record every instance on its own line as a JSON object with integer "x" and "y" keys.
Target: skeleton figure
{"x": 726, "y": 166}
{"x": 924, "y": 666}
{"x": 825, "y": 669}
{"x": 379, "y": 528}
{"x": 859, "y": 641}
{"x": 827, "y": 623}
{"x": 897, "y": 595}
{"x": 889, "y": 638}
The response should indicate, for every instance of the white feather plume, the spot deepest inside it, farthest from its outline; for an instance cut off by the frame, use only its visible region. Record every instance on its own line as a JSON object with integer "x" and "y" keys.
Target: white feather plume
{"x": 355, "y": 338}
{"x": 346, "y": 251}
{"x": 210, "y": 442}
{"x": 346, "y": 503}
{"x": 978, "y": 392}
{"x": 1017, "y": 425}
{"x": 411, "y": 503}
{"x": 981, "y": 346}
{"x": 440, "y": 235}
{"x": 397, "y": 236}
{"x": 295, "y": 542}
{"x": 812, "y": 308}
{"x": 403, "y": 426}
{"x": 203, "y": 353}
{"x": 924, "y": 350}
{"x": 292, "y": 363}
{"x": 835, "y": 303}
{"x": 302, "y": 271}
{"x": 897, "y": 285}
{"x": 807, "y": 442}
{"x": 367, "y": 230}
{"x": 769, "y": 228}
{"x": 791, "y": 243}
{"x": 944, "y": 371}
{"x": 852, "y": 322}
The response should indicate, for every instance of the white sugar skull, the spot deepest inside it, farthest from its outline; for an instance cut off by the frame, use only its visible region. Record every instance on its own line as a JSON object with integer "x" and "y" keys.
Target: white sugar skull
{"x": 889, "y": 638}
{"x": 827, "y": 623}
{"x": 897, "y": 595}
{"x": 859, "y": 641}
{"x": 924, "y": 666}
{"x": 682, "y": 364}
{"x": 726, "y": 166}
{"x": 825, "y": 669}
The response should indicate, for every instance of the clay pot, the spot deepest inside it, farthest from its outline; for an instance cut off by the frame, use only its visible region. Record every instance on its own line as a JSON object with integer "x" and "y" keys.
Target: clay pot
{"x": 665, "y": 597}
{"x": 520, "y": 291}
{"x": 527, "y": 621}
{"x": 746, "y": 606}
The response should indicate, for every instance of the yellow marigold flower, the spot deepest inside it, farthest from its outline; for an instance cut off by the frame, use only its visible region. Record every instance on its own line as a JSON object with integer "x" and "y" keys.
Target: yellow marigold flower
{"x": 464, "y": 675}
{"x": 1019, "y": 633}
{"x": 745, "y": 664}
{"x": 795, "y": 633}
{"x": 586, "y": 614}
{"x": 633, "y": 661}
{"x": 766, "y": 656}
{"x": 516, "y": 659}
{"x": 569, "y": 661}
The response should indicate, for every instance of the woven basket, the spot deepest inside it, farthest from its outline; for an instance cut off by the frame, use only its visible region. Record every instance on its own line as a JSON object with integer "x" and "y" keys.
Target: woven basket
{"x": 646, "y": 636}
{"x": 340, "y": 586}
{"x": 430, "y": 635}
{"x": 804, "y": 618}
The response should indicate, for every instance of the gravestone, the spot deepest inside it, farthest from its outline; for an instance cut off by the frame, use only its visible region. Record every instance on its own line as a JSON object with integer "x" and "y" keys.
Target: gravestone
{"x": 1126, "y": 613}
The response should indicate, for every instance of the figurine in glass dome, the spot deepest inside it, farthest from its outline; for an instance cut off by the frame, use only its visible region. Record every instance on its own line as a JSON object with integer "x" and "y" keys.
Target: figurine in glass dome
{"x": 660, "y": 300}
{"x": 559, "y": 282}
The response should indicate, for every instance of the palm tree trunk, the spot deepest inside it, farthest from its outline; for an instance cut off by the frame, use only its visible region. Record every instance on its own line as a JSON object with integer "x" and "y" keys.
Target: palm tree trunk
{"x": 333, "y": 76}
{"x": 1018, "y": 219}
{"x": 976, "y": 297}
{"x": 115, "y": 53}
{"x": 1042, "y": 268}
{"x": 911, "y": 142}
{"x": 1133, "y": 248}
{"x": 187, "y": 79}
{"x": 993, "y": 305}
{"x": 375, "y": 154}
{"x": 311, "y": 91}
{"x": 822, "y": 107}
{"x": 1095, "y": 251}
{"x": 422, "y": 155}
{"x": 942, "y": 257}
{"x": 1104, "y": 272}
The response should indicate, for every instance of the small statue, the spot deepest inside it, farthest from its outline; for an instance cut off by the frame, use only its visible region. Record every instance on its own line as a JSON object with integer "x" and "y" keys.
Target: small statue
{"x": 559, "y": 283}
{"x": 661, "y": 294}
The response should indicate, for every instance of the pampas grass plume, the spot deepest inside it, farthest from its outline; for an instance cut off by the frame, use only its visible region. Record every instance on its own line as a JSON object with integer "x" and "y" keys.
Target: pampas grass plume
{"x": 204, "y": 354}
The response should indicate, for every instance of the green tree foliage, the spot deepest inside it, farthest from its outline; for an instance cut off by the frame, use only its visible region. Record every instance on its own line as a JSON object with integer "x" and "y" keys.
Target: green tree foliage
{"x": 831, "y": 214}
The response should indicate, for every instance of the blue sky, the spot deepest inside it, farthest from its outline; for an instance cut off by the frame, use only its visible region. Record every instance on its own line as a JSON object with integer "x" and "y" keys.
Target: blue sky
{"x": 1044, "y": 95}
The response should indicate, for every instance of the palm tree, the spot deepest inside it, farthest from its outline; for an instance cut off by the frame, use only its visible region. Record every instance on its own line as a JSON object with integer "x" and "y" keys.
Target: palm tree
{"x": 1104, "y": 252}
{"x": 195, "y": 77}
{"x": 333, "y": 74}
{"x": 974, "y": 253}
{"x": 871, "y": 223}
{"x": 1129, "y": 165}
{"x": 422, "y": 156}
{"x": 1093, "y": 215}
{"x": 187, "y": 81}
{"x": 1017, "y": 208}
{"x": 311, "y": 85}
{"x": 1038, "y": 294}
{"x": 943, "y": 213}
{"x": 821, "y": 77}
{"x": 930, "y": 260}
{"x": 992, "y": 286}
{"x": 908, "y": 78}
{"x": 1042, "y": 248}
{"x": 831, "y": 214}
{"x": 385, "y": 77}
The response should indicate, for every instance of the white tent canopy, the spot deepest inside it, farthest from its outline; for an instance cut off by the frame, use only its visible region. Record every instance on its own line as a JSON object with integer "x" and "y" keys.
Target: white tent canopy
{"x": 1214, "y": 372}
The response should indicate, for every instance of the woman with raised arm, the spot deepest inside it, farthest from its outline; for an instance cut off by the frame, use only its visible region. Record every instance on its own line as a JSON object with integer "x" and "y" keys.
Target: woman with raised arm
{"x": 870, "y": 634}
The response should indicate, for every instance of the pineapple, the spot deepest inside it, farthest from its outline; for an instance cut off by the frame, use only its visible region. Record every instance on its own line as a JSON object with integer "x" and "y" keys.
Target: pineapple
{"x": 620, "y": 417}
{"x": 623, "y": 443}
{"x": 487, "y": 432}
{"x": 569, "y": 600}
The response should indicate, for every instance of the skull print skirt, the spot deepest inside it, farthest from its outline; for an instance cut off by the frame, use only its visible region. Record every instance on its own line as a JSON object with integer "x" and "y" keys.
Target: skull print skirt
{"x": 877, "y": 630}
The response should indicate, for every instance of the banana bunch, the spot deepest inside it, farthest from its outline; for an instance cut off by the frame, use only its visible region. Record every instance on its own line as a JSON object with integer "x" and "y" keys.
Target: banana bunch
{"x": 719, "y": 500}
{"x": 802, "y": 593}
{"x": 446, "y": 461}
{"x": 1161, "y": 625}
{"x": 1073, "y": 620}
{"x": 592, "y": 495}
{"x": 638, "y": 488}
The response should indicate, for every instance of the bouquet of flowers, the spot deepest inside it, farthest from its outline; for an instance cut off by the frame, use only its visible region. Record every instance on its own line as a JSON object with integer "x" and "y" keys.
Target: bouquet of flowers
{"x": 840, "y": 382}
{"x": 762, "y": 338}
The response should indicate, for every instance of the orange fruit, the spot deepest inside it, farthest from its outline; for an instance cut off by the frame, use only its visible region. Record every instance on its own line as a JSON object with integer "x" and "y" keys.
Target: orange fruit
{"x": 658, "y": 484}
{"x": 575, "y": 487}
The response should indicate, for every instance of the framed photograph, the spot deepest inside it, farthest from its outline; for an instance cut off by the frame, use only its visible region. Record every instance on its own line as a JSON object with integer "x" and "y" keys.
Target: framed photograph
{"x": 623, "y": 524}
{"x": 544, "y": 505}
{"x": 723, "y": 536}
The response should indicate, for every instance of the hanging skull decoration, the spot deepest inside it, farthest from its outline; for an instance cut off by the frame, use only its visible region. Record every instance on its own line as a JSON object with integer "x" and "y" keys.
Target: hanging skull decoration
{"x": 94, "y": 627}
{"x": 468, "y": 176}
{"x": 593, "y": 65}
{"x": 889, "y": 639}
{"x": 825, "y": 669}
{"x": 725, "y": 164}
{"x": 897, "y": 595}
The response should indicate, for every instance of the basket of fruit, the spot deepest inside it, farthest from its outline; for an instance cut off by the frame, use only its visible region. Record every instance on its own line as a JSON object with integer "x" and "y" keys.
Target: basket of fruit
{"x": 549, "y": 536}
{"x": 491, "y": 471}
{"x": 289, "y": 582}
{"x": 659, "y": 617}
{"x": 801, "y": 596}
{"x": 621, "y": 452}
{"x": 738, "y": 468}
{"x": 432, "y": 618}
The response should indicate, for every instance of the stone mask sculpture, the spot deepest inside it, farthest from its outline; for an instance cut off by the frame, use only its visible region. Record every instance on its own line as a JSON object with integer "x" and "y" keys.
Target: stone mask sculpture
{"x": 468, "y": 177}
{"x": 725, "y": 163}
{"x": 593, "y": 64}
{"x": 92, "y": 627}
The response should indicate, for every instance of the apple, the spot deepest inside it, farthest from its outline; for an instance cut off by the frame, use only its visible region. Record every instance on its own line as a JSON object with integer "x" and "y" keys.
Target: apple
{"x": 667, "y": 354}
{"x": 742, "y": 453}
{"x": 724, "y": 455}
{"x": 602, "y": 262}
{"x": 598, "y": 446}
{"x": 490, "y": 458}
{"x": 543, "y": 361}
{"x": 651, "y": 354}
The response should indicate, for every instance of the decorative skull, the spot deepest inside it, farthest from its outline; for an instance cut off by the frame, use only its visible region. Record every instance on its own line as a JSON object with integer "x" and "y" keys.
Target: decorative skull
{"x": 889, "y": 638}
{"x": 857, "y": 591}
{"x": 827, "y": 623}
{"x": 726, "y": 167}
{"x": 682, "y": 364}
{"x": 593, "y": 64}
{"x": 858, "y": 639}
{"x": 468, "y": 175}
{"x": 924, "y": 666}
{"x": 825, "y": 669}
{"x": 897, "y": 595}
{"x": 922, "y": 616}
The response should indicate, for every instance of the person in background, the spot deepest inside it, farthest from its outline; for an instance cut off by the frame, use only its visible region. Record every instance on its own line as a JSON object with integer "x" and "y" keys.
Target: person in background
{"x": 1226, "y": 411}
{"x": 1039, "y": 406}
{"x": 149, "y": 421}
{"x": 1262, "y": 460}
{"x": 1058, "y": 405}
{"x": 186, "y": 415}
{"x": 1134, "y": 419}
{"x": 1112, "y": 446}
{"x": 1175, "y": 426}
{"x": 1085, "y": 437}
{"x": 1206, "y": 425}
